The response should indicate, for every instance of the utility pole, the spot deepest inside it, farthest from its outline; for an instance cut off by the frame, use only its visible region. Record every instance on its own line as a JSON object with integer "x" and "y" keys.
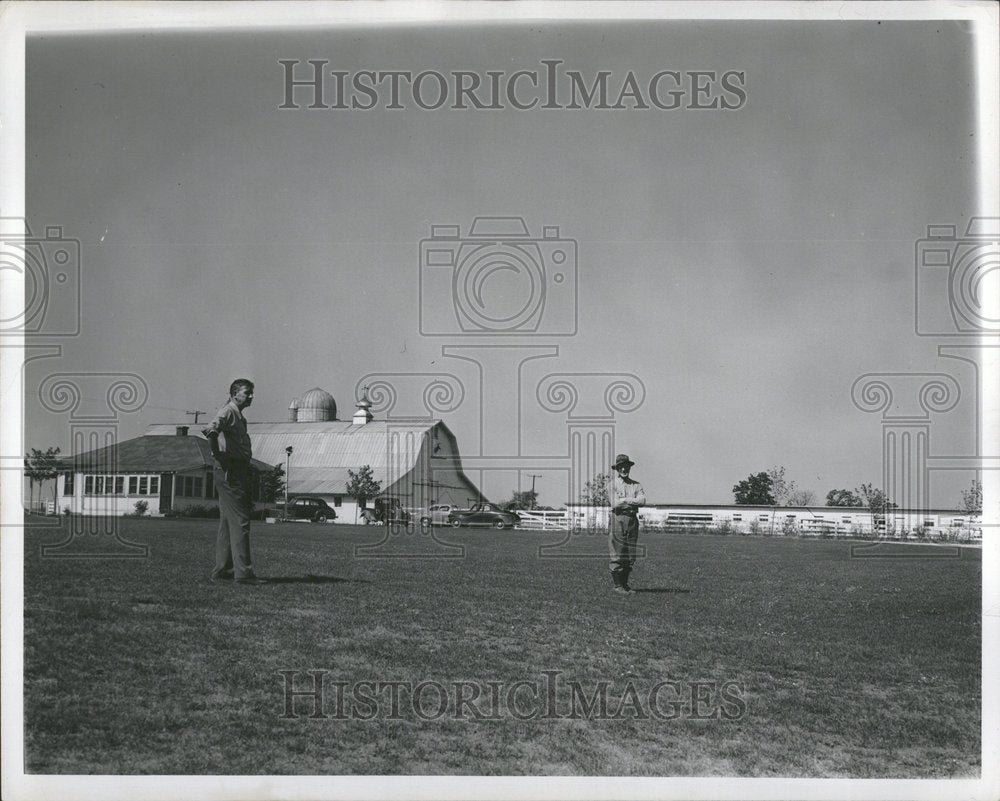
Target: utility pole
{"x": 534, "y": 501}
{"x": 195, "y": 413}
{"x": 288, "y": 475}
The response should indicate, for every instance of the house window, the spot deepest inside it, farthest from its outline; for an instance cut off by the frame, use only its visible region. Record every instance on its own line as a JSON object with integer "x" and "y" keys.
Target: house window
{"x": 143, "y": 485}
{"x": 68, "y": 480}
{"x": 98, "y": 485}
{"x": 133, "y": 485}
{"x": 737, "y": 518}
{"x": 845, "y": 519}
{"x": 88, "y": 485}
{"x": 198, "y": 487}
{"x": 154, "y": 485}
{"x": 336, "y": 501}
{"x": 209, "y": 485}
{"x": 109, "y": 485}
{"x": 119, "y": 485}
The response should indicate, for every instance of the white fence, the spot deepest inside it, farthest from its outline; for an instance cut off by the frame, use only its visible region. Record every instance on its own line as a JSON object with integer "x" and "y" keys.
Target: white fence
{"x": 543, "y": 521}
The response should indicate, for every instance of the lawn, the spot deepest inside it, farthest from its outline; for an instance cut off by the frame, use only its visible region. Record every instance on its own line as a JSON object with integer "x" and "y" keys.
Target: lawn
{"x": 784, "y": 657}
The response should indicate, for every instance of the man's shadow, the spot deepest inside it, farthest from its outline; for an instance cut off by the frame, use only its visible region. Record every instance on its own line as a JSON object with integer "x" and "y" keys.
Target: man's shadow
{"x": 679, "y": 590}
{"x": 312, "y": 579}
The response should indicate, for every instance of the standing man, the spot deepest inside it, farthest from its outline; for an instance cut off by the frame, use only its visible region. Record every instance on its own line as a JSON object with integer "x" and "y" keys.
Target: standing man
{"x": 626, "y": 496}
{"x": 231, "y": 448}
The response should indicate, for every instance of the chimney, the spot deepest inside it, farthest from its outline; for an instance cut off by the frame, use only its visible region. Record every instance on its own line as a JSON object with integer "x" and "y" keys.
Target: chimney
{"x": 182, "y": 431}
{"x": 364, "y": 414}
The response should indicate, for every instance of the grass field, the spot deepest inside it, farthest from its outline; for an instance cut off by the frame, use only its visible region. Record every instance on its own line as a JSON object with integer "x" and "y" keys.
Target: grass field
{"x": 820, "y": 663}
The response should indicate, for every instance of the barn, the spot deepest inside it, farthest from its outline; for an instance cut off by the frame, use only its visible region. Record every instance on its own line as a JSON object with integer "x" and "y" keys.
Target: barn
{"x": 414, "y": 460}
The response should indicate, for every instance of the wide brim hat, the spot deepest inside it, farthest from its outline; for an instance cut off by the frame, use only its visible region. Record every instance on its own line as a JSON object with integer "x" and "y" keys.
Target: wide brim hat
{"x": 622, "y": 459}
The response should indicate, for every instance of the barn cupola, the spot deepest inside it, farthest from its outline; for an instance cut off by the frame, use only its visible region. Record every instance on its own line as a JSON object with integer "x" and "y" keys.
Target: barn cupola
{"x": 364, "y": 413}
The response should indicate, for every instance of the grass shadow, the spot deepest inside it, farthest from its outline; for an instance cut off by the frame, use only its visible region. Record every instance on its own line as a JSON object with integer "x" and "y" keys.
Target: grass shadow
{"x": 311, "y": 579}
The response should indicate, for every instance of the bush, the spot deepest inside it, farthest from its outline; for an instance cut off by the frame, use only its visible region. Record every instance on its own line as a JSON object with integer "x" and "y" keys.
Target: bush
{"x": 754, "y": 528}
{"x": 196, "y": 510}
{"x": 141, "y": 507}
{"x": 789, "y": 527}
{"x": 724, "y": 528}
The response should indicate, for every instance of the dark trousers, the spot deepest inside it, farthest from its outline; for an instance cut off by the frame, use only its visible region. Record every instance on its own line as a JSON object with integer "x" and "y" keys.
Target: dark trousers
{"x": 622, "y": 539}
{"x": 232, "y": 544}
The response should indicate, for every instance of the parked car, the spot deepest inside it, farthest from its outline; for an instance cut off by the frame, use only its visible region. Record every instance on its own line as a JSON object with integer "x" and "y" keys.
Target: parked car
{"x": 437, "y": 515}
{"x": 389, "y": 510}
{"x": 315, "y": 510}
{"x": 483, "y": 514}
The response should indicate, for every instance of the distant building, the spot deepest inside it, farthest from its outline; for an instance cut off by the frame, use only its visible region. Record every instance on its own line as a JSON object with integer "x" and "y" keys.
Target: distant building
{"x": 169, "y": 470}
{"x": 415, "y": 461}
{"x": 787, "y": 519}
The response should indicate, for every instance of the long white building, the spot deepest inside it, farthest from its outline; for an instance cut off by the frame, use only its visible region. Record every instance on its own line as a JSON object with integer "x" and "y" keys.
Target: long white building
{"x": 836, "y": 520}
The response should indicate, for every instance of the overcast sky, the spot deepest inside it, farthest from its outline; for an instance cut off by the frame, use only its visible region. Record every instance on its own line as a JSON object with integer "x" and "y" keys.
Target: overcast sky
{"x": 747, "y": 265}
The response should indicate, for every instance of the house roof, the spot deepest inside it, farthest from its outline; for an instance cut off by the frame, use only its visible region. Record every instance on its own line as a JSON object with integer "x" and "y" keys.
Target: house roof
{"x": 150, "y": 453}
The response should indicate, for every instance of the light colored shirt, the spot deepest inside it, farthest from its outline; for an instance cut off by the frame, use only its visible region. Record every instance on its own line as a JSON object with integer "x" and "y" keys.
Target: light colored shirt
{"x": 626, "y": 494}
{"x": 231, "y": 427}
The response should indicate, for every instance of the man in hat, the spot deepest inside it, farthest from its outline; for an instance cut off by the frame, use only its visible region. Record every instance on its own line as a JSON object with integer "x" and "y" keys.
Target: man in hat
{"x": 230, "y": 442}
{"x": 626, "y": 496}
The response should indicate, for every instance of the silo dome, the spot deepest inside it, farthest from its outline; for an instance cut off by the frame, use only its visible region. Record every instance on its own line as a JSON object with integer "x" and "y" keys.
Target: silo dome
{"x": 316, "y": 406}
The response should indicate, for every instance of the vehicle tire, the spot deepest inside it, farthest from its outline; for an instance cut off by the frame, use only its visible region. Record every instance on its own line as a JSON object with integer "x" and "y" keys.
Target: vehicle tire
{"x": 320, "y": 518}
{"x": 456, "y": 523}
{"x": 499, "y": 525}
{"x": 425, "y": 522}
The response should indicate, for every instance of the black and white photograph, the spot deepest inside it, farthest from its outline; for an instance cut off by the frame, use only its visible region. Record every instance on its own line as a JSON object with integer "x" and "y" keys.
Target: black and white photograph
{"x": 500, "y": 400}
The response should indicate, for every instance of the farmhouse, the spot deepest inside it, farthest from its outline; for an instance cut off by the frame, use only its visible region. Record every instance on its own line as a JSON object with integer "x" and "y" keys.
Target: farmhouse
{"x": 414, "y": 460}
{"x": 168, "y": 471}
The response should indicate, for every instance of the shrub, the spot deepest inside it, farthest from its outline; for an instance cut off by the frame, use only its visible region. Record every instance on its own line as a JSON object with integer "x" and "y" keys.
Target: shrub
{"x": 788, "y": 527}
{"x": 141, "y": 507}
{"x": 724, "y": 528}
{"x": 196, "y": 510}
{"x": 754, "y": 528}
